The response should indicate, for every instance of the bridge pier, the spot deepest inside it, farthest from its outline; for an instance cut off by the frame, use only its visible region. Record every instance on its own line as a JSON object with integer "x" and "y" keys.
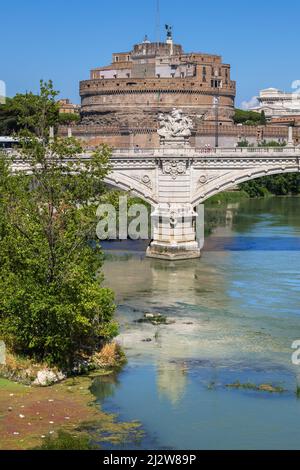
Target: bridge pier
{"x": 174, "y": 232}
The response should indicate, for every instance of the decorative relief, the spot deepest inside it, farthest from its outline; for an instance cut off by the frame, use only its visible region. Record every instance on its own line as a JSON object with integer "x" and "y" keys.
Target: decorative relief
{"x": 203, "y": 179}
{"x": 146, "y": 180}
{"x": 212, "y": 176}
{"x": 174, "y": 168}
{"x": 174, "y": 125}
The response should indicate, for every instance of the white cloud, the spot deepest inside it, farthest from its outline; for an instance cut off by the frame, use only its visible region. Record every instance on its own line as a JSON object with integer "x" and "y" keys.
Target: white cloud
{"x": 253, "y": 103}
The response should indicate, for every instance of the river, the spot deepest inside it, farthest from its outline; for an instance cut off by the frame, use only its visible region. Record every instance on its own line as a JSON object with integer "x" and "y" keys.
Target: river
{"x": 234, "y": 315}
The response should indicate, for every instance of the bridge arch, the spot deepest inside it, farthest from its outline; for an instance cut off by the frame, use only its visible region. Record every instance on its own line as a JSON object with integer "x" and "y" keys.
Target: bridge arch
{"x": 128, "y": 184}
{"x": 227, "y": 181}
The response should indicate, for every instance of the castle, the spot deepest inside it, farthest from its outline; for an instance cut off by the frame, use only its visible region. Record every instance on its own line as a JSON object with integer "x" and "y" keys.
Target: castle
{"x": 153, "y": 78}
{"x": 121, "y": 102}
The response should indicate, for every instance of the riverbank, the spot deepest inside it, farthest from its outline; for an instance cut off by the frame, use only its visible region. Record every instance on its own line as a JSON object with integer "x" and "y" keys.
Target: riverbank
{"x": 59, "y": 411}
{"x": 227, "y": 197}
{"x": 26, "y": 371}
{"x": 31, "y": 415}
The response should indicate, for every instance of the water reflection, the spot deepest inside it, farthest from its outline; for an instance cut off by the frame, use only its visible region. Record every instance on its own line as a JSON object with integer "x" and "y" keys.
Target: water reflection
{"x": 235, "y": 315}
{"x": 171, "y": 381}
{"x": 105, "y": 386}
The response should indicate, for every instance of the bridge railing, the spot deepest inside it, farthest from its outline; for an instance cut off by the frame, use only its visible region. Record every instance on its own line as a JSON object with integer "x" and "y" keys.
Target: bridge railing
{"x": 193, "y": 152}
{"x": 220, "y": 151}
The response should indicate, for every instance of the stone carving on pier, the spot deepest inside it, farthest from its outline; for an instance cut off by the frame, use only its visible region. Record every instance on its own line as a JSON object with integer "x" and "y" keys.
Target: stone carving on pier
{"x": 174, "y": 127}
{"x": 174, "y": 168}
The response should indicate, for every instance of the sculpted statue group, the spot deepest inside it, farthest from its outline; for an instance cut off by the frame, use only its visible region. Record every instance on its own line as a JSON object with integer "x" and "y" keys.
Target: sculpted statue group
{"x": 175, "y": 125}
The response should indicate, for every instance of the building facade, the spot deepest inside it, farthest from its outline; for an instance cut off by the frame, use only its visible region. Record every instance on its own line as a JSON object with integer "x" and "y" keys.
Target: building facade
{"x": 122, "y": 103}
{"x": 154, "y": 78}
{"x": 277, "y": 104}
{"x": 66, "y": 107}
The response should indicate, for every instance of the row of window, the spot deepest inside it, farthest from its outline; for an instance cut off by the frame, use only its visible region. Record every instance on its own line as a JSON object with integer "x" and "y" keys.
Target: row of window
{"x": 172, "y": 75}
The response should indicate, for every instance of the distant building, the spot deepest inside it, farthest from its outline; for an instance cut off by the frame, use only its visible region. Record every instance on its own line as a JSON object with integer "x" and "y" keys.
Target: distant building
{"x": 66, "y": 107}
{"x": 153, "y": 78}
{"x": 277, "y": 104}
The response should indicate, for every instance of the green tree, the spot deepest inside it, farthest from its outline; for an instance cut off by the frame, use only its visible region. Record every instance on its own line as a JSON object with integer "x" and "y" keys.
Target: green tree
{"x": 263, "y": 119}
{"x": 272, "y": 143}
{"x": 8, "y": 118}
{"x": 68, "y": 118}
{"x": 248, "y": 118}
{"x": 52, "y": 305}
{"x": 243, "y": 143}
{"x": 30, "y": 113}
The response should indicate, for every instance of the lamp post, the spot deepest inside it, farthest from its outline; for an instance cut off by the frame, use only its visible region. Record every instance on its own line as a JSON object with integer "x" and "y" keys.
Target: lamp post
{"x": 216, "y": 106}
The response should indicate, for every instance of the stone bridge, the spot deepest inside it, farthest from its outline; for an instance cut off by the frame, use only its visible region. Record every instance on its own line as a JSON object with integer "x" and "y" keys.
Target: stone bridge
{"x": 175, "y": 181}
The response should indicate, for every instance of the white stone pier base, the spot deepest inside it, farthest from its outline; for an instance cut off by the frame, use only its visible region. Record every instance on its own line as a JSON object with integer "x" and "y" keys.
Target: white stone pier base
{"x": 174, "y": 233}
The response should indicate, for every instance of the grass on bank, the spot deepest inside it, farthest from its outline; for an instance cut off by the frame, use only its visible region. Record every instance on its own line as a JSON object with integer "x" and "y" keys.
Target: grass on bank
{"x": 67, "y": 441}
{"x": 227, "y": 197}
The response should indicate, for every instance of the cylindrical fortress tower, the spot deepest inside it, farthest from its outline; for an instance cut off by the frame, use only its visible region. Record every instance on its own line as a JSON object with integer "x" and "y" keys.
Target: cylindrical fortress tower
{"x": 154, "y": 78}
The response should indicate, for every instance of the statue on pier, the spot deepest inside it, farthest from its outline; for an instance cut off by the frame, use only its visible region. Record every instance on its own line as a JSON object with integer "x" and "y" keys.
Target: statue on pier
{"x": 175, "y": 126}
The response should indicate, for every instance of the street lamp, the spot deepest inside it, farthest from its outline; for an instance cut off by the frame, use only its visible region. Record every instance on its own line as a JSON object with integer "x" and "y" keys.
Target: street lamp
{"x": 216, "y": 102}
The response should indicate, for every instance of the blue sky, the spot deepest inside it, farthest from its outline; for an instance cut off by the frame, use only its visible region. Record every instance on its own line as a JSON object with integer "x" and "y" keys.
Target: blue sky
{"x": 63, "y": 39}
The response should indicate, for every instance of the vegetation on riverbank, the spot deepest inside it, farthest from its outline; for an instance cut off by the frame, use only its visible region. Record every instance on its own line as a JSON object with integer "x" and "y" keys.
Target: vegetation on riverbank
{"x": 26, "y": 371}
{"x": 277, "y": 185}
{"x": 227, "y": 197}
{"x": 53, "y": 309}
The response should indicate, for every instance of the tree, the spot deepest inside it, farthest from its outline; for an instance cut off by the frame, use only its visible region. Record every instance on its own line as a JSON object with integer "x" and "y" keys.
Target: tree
{"x": 263, "y": 119}
{"x": 248, "y": 118}
{"x": 8, "y": 118}
{"x": 30, "y": 113}
{"x": 243, "y": 143}
{"x": 52, "y": 305}
{"x": 68, "y": 118}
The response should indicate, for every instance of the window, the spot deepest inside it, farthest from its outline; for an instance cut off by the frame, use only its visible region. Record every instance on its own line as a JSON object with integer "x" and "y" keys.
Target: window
{"x": 216, "y": 83}
{"x": 182, "y": 75}
{"x": 116, "y": 58}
